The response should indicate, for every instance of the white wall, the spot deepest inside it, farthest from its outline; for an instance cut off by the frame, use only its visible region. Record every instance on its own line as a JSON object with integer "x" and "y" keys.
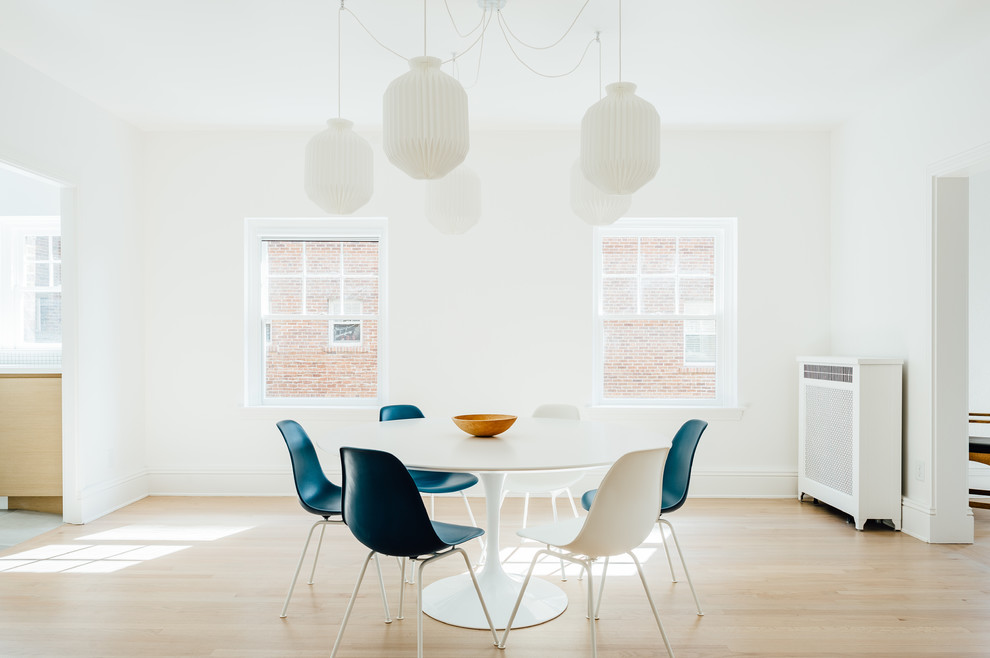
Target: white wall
{"x": 24, "y": 195}
{"x": 49, "y": 130}
{"x": 882, "y": 249}
{"x": 496, "y": 320}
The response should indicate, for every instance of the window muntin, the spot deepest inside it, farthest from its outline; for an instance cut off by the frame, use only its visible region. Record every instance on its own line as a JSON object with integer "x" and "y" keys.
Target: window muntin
{"x": 30, "y": 291}
{"x": 664, "y": 300}
{"x": 316, "y": 296}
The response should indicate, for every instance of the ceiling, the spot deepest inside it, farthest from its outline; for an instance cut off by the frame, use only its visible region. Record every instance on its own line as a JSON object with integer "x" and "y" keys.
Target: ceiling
{"x": 250, "y": 64}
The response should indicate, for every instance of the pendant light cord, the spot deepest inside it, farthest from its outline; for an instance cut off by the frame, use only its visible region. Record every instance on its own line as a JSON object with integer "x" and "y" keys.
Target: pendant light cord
{"x": 486, "y": 19}
{"x": 339, "y": 12}
{"x": 544, "y": 75}
{"x": 464, "y": 35}
{"x": 620, "y": 40}
{"x": 532, "y": 47}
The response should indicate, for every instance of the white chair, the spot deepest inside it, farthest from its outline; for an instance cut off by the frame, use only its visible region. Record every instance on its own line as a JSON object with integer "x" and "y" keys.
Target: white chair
{"x": 622, "y": 517}
{"x": 556, "y": 483}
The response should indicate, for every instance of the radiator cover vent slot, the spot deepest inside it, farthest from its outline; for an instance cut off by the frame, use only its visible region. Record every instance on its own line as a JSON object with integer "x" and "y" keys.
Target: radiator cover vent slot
{"x": 828, "y": 373}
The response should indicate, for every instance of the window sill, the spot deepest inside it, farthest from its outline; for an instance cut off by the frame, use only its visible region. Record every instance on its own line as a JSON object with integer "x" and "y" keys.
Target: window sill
{"x": 315, "y": 412}
{"x": 662, "y": 413}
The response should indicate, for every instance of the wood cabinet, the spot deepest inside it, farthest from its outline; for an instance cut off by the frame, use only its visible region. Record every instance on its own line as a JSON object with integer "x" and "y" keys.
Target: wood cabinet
{"x": 31, "y": 441}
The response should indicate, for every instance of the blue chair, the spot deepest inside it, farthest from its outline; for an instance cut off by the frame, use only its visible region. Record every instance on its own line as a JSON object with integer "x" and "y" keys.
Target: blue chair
{"x": 384, "y": 511}
{"x": 317, "y": 495}
{"x": 431, "y": 482}
{"x": 676, "y": 479}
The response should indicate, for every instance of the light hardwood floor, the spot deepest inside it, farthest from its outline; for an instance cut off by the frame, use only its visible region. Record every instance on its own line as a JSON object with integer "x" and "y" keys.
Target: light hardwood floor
{"x": 776, "y": 578}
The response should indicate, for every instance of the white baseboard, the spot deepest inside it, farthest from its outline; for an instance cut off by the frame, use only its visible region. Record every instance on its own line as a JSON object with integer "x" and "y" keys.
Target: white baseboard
{"x": 102, "y": 498}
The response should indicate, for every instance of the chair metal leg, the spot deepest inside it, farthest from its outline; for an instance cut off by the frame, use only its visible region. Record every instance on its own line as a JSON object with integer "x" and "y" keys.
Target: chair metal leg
{"x": 680, "y": 554}
{"x": 419, "y": 610}
{"x": 522, "y": 591}
{"x": 402, "y": 590}
{"x": 419, "y": 594}
{"x": 553, "y": 506}
{"x": 316, "y": 558}
{"x": 350, "y": 604}
{"x": 481, "y": 598}
{"x": 525, "y": 509}
{"x": 591, "y": 610}
{"x": 570, "y": 497}
{"x": 601, "y": 587}
{"x": 381, "y": 585}
{"x": 653, "y": 606}
{"x": 302, "y": 556}
{"x": 467, "y": 504}
{"x": 666, "y": 550}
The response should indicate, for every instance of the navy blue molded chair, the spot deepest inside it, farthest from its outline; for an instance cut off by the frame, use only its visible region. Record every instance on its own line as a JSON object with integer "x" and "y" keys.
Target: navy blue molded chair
{"x": 317, "y": 495}
{"x": 676, "y": 479}
{"x": 431, "y": 482}
{"x": 384, "y": 511}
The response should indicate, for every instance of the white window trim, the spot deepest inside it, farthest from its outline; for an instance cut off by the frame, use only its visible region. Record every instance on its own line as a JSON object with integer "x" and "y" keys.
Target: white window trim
{"x": 260, "y": 229}
{"x": 724, "y": 229}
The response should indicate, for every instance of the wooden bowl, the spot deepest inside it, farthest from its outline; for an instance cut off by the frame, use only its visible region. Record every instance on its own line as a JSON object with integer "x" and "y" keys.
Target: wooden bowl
{"x": 484, "y": 424}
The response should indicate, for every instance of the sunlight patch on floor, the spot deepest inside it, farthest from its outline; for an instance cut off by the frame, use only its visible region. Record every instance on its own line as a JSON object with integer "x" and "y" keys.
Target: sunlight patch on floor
{"x": 94, "y": 558}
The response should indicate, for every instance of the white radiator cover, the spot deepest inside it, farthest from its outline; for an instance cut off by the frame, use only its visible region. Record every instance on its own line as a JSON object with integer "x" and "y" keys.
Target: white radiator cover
{"x": 849, "y": 435}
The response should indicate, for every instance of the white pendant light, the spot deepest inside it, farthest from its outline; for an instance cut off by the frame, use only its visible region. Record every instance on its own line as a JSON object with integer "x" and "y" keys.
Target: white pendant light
{"x": 339, "y": 169}
{"x": 620, "y": 137}
{"x": 620, "y": 141}
{"x": 453, "y": 203}
{"x": 425, "y": 121}
{"x": 591, "y": 204}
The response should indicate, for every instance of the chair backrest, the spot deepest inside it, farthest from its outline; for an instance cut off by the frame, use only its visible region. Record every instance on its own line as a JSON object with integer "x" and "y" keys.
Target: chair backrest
{"x": 677, "y": 472}
{"x": 625, "y": 508}
{"x": 382, "y": 506}
{"x": 399, "y": 412}
{"x": 311, "y": 483}
{"x": 565, "y": 411}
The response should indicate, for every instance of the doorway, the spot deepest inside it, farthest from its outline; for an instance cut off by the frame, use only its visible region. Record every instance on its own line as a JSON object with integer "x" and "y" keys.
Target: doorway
{"x": 953, "y": 183}
{"x": 31, "y": 428}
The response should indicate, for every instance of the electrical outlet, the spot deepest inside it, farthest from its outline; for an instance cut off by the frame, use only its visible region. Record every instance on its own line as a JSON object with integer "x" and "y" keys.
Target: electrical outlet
{"x": 919, "y": 471}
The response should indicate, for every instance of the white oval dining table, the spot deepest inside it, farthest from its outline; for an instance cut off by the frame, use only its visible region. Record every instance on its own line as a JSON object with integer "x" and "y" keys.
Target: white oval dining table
{"x": 531, "y": 444}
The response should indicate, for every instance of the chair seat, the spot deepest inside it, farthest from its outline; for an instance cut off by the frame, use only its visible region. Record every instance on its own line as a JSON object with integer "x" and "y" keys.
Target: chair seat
{"x": 560, "y": 533}
{"x": 454, "y": 534}
{"x": 588, "y": 498}
{"x": 979, "y": 444}
{"x": 438, "y": 482}
{"x": 324, "y": 503}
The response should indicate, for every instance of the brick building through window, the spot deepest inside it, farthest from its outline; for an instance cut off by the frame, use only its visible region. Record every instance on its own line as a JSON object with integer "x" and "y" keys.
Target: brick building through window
{"x": 317, "y": 312}
{"x": 665, "y": 300}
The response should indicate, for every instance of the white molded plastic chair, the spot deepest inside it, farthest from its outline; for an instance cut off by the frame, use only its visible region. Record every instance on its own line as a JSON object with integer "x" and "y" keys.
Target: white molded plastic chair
{"x": 622, "y": 517}
{"x": 556, "y": 483}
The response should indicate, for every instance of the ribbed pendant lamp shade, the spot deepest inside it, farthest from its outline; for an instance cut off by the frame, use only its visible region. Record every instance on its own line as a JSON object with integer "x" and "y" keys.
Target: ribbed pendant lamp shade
{"x": 591, "y": 204}
{"x": 339, "y": 174}
{"x": 453, "y": 203}
{"x": 425, "y": 120}
{"x": 620, "y": 141}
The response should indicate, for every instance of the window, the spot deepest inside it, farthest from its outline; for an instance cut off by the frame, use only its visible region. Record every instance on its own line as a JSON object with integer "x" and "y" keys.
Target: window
{"x": 665, "y": 312}
{"x": 314, "y": 312}
{"x": 30, "y": 291}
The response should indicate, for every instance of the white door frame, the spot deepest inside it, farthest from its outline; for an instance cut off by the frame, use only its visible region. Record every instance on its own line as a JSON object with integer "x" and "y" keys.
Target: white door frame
{"x": 71, "y": 503}
{"x": 951, "y": 519}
